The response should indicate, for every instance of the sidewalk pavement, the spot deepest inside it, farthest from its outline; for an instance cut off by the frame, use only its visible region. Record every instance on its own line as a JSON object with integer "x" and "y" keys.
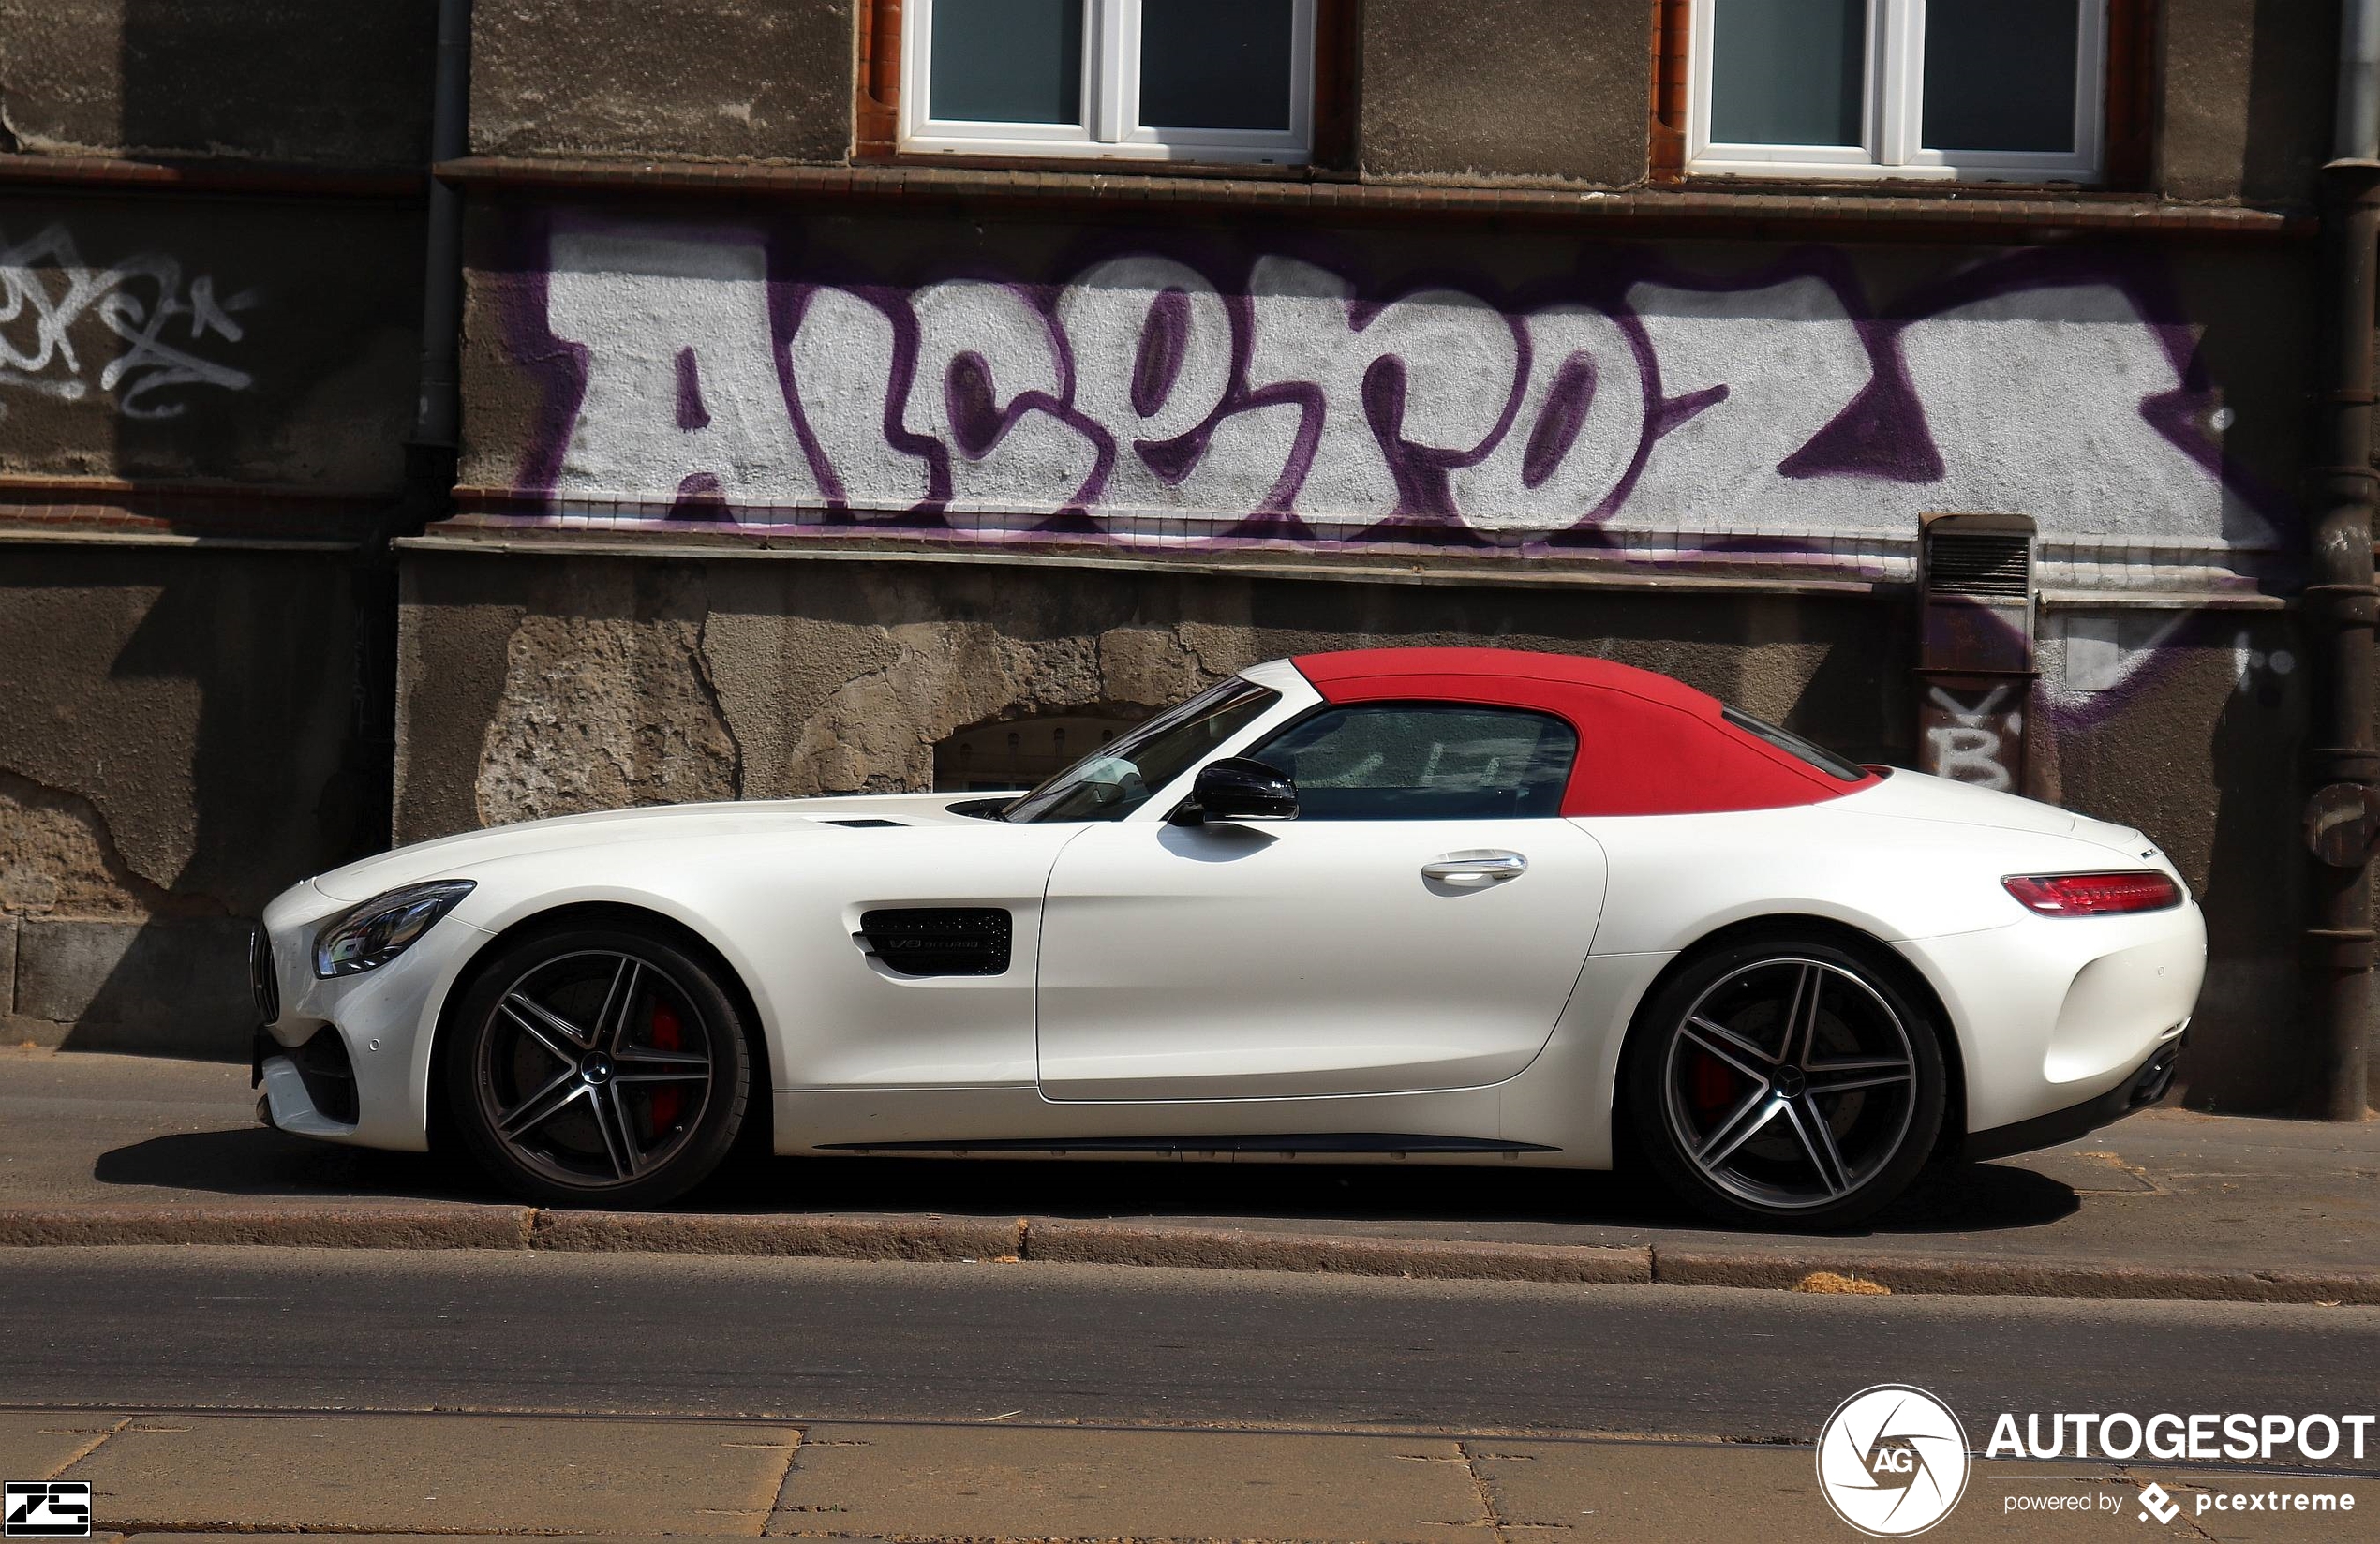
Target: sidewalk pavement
{"x": 2169, "y": 1203}
{"x": 156, "y": 1476}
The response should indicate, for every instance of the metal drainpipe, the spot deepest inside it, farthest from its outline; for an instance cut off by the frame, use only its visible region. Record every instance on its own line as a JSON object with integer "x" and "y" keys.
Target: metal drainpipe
{"x": 430, "y": 450}
{"x": 2343, "y": 818}
{"x": 438, "y": 412}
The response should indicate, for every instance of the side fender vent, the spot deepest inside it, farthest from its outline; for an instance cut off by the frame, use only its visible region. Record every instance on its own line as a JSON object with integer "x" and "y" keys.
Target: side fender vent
{"x": 938, "y": 940}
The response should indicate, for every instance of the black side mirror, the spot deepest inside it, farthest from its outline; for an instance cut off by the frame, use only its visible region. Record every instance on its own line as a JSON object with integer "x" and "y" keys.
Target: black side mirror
{"x": 1238, "y": 788}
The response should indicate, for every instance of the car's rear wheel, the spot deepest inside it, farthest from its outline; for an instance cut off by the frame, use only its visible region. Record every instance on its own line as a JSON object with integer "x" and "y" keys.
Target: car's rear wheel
{"x": 597, "y": 1066}
{"x": 1787, "y": 1082}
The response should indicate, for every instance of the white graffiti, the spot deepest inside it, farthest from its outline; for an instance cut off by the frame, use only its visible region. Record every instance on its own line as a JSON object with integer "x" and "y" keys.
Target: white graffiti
{"x": 159, "y": 321}
{"x": 1139, "y": 391}
{"x": 2251, "y": 664}
{"x": 1971, "y": 745}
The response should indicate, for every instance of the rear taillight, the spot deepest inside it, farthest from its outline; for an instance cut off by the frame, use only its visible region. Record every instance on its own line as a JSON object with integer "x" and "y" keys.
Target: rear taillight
{"x": 2094, "y": 895}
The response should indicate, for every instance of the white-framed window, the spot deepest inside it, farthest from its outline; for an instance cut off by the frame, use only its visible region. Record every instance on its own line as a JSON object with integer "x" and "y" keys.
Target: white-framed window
{"x": 1158, "y": 80}
{"x": 2011, "y": 90}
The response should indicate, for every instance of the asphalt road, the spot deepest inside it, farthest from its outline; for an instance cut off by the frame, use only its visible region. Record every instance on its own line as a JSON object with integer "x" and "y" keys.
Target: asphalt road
{"x": 369, "y": 1330}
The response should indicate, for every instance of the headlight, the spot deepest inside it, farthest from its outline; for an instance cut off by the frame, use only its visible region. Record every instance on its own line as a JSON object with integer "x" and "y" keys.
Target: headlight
{"x": 366, "y": 937}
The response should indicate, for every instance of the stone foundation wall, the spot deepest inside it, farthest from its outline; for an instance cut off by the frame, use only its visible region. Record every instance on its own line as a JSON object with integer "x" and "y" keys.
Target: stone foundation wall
{"x": 176, "y": 745}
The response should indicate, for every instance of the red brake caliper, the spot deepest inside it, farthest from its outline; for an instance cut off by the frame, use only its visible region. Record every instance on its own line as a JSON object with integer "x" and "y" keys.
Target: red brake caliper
{"x": 1713, "y": 1085}
{"x": 668, "y": 1035}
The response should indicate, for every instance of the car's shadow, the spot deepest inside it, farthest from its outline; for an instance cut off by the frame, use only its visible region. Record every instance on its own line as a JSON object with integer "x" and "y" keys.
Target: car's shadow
{"x": 1489, "y": 1202}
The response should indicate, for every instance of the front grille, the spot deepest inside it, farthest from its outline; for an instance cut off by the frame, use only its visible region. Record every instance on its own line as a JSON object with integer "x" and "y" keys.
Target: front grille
{"x": 262, "y": 979}
{"x": 1976, "y": 563}
{"x": 938, "y": 940}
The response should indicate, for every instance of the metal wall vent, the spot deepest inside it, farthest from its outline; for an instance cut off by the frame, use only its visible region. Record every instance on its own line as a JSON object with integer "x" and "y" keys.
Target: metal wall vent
{"x": 1979, "y": 563}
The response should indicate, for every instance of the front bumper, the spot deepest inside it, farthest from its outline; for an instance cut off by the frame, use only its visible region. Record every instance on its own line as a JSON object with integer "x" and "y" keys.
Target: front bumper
{"x": 2146, "y": 1085}
{"x": 310, "y": 1089}
{"x": 347, "y": 1059}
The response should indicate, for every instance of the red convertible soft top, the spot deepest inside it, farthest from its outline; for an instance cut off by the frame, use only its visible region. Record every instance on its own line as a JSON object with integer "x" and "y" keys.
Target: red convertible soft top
{"x": 1647, "y": 745}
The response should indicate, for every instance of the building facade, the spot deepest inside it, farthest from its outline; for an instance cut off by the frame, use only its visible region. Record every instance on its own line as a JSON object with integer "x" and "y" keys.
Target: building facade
{"x": 891, "y": 394}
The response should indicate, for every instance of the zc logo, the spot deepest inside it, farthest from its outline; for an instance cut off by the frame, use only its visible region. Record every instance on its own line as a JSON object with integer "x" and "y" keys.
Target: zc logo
{"x": 1892, "y": 1460}
{"x": 54, "y": 1510}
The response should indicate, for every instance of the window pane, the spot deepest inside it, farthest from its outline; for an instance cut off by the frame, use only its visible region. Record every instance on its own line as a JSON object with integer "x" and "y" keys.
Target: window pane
{"x": 1794, "y": 744}
{"x": 1408, "y": 763}
{"x": 1007, "y": 61}
{"x": 1999, "y": 74}
{"x": 1125, "y": 774}
{"x": 1215, "y": 63}
{"x": 1788, "y": 72}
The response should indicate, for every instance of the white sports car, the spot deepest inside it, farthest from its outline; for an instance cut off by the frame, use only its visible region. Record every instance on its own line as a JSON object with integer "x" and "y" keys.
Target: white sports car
{"x": 1460, "y": 905}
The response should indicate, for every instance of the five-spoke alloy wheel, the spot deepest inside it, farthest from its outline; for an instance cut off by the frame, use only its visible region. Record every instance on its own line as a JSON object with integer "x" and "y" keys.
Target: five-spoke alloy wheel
{"x": 597, "y": 1066}
{"x": 1786, "y": 1081}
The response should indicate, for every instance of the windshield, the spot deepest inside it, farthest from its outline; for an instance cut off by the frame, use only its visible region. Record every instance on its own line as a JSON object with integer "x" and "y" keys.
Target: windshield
{"x": 1120, "y": 777}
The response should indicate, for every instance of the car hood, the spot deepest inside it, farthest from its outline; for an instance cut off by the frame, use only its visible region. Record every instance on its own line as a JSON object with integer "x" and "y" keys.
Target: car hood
{"x": 1917, "y": 795}
{"x": 454, "y": 856}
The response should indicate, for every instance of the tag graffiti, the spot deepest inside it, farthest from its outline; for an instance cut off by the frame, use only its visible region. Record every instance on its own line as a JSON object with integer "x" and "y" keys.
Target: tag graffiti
{"x": 1974, "y": 738}
{"x": 159, "y": 335}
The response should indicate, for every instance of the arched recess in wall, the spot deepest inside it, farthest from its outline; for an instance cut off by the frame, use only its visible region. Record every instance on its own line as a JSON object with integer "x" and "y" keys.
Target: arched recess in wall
{"x": 1018, "y": 752}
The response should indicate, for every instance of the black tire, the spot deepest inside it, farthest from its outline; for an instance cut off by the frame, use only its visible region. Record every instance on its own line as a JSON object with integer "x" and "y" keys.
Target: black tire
{"x": 1786, "y": 1080}
{"x": 597, "y": 1066}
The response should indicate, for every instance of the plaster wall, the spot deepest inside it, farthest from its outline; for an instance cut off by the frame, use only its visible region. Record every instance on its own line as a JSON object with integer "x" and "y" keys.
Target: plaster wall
{"x": 1505, "y": 90}
{"x": 715, "y": 80}
{"x": 2244, "y": 98}
{"x": 285, "y": 81}
{"x": 1544, "y": 91}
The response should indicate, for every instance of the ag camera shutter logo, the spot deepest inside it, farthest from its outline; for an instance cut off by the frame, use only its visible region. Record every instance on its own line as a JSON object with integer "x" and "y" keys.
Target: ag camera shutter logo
{"x": 1892, "y": 1460}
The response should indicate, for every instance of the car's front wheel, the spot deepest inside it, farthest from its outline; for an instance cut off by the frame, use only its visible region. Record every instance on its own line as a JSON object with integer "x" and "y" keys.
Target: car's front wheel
{"x": 1786, "y": 1081}
{"x": 599, "y": 1067}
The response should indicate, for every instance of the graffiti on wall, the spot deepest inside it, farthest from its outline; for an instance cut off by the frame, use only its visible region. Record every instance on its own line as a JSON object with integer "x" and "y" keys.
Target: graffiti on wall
{"x": 162, "y": 332}
{"x": 1975, "y": 734}
{"x": 717, "y": 374}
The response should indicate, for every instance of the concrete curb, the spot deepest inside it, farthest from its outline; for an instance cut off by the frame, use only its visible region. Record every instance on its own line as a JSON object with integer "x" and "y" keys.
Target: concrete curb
{"x": 459, "y": 1225}
{"x": 1781, "y": 1270}
{"x": 1235, "y": 1249}
{"x": 299, "y": 1225}
{"x": 831, "y": 1237}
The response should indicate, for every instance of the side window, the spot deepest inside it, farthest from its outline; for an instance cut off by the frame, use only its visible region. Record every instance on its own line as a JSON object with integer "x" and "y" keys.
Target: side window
{"x": 1417, "y": 761}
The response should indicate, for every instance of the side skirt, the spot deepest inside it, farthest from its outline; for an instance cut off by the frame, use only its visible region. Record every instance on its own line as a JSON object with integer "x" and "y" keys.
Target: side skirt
{"x": 1318, "y": 1142}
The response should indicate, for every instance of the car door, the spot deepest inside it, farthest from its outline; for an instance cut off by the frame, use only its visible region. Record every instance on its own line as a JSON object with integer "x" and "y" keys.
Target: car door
{"x": 1419, "y": 925}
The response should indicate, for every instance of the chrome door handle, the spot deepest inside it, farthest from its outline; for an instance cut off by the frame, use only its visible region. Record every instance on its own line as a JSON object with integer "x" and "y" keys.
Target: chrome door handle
{"x": 1480, "y": 868}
